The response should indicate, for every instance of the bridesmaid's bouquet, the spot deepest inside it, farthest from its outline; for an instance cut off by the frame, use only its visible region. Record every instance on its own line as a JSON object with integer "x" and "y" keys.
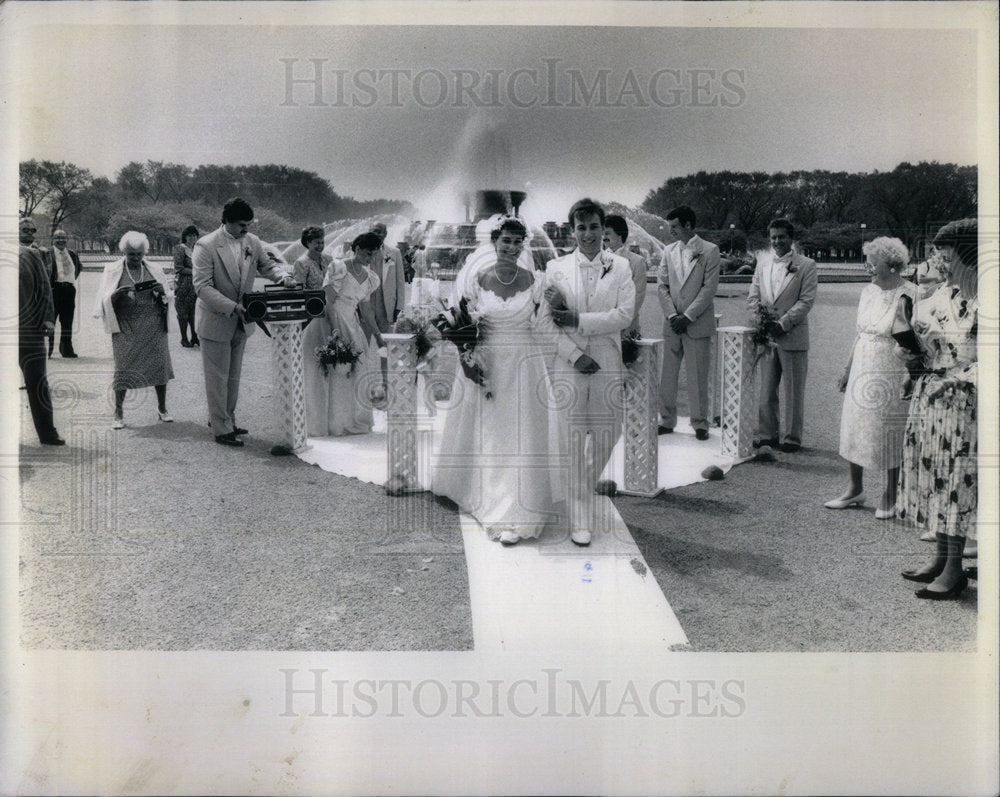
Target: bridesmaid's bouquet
{"x": 765, "y": 333}
{"x": 336, "y": 351}
{"x": 459, "y": 327}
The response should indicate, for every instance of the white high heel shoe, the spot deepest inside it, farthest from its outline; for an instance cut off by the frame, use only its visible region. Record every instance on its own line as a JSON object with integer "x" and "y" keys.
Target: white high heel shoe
{"x": 844, "y": 503}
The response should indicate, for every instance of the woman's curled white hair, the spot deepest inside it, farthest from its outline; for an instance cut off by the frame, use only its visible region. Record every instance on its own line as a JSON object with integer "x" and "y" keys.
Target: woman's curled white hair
{"x": 886, "y": 251}
{"x": 136, "y": 241}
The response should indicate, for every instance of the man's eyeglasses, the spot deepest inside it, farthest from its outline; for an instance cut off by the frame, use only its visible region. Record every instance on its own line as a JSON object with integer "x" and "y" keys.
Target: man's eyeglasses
{"x": 30, "y": 229}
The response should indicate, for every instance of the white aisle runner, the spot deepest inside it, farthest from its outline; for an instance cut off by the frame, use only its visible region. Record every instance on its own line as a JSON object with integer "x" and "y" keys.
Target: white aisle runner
{"x": 549, "y": 593}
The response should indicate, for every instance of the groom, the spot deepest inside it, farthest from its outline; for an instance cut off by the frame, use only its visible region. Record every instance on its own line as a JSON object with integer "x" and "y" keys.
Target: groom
{"x": 592, "y": 297}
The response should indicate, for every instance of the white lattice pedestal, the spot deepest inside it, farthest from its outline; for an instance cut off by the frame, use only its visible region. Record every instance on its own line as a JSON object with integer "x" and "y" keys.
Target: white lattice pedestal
{"x": 289, "y": 386}
{"x": 406, "y": 439}
{"x": 642, "y": 381}
{"x": 739, "y": 392}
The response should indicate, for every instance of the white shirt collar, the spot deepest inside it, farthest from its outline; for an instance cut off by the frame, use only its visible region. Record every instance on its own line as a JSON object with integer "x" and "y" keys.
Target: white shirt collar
{"x": 581, "y": 259}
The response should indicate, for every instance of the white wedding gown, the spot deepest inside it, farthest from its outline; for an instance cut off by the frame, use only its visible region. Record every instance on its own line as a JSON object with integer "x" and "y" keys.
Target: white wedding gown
{"x": 499, "y": 457}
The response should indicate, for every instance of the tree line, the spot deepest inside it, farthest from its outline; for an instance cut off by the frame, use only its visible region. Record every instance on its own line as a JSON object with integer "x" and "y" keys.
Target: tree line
{"x": 160, "y": 199}
{"x": 908, "y": 203}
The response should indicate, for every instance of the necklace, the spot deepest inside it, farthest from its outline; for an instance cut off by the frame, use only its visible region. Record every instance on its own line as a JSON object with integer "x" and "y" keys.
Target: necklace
{"x": 128, "y": 271}
{"x": 500, "y": 280}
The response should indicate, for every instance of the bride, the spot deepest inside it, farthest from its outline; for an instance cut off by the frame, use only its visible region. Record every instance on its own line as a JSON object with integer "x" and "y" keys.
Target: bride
{"x": 498, "y": 458}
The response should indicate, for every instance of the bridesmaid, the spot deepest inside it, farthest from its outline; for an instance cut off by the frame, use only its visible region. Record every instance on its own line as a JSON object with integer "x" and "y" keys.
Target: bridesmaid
{"x": 310, "y": 271}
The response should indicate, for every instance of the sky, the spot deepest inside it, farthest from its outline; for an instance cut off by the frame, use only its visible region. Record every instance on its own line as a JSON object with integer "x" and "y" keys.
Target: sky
{"x": 610, "y": 112}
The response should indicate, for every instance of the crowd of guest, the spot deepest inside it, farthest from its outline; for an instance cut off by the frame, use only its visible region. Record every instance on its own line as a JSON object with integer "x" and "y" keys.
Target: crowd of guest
{"x": 909, "y": 408}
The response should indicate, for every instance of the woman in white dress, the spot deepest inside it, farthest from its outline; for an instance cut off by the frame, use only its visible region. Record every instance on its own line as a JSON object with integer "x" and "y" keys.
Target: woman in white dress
{"x": 310, "y": 271}
{"x": 349, "y": 284}
{"x": 874, "y": 413}
{"x": 499, "y": 455}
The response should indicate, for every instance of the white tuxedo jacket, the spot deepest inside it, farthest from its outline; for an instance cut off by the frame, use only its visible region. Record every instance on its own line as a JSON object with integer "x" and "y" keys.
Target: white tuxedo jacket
{"x": 603, "y": 318}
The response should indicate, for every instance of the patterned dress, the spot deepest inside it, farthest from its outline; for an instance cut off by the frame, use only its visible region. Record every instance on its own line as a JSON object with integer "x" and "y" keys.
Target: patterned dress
{"x": 142, "y": 357}
{"x": 938, "y": 487}
{"x": 874, "y": 415}
{"x": 184, "y": 295}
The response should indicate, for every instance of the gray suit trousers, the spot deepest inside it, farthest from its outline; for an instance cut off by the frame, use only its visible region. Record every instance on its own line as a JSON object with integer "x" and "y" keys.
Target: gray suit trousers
{"x": 788, "y": 367}
{"x": 223, "y": 363}
{"x": 697, "y": 356}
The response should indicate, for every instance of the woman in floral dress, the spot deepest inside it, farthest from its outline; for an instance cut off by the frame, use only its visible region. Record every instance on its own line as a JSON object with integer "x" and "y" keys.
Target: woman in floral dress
{"x": 874, "y": 414}
{"x": 184, "y": 295}
{"x": 938, "y": 485}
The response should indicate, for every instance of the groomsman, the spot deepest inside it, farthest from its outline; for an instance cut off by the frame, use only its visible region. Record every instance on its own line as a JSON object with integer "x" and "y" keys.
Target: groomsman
{"x": 592, "y": 297}
{"x": 615, "y": 237}
{"x": 390, "y": 296}
{"x": 225, "y": 263}
{"x": 686, "y": 283}
{"x": 64, "y": 266}
{"x": 785, "y": 284}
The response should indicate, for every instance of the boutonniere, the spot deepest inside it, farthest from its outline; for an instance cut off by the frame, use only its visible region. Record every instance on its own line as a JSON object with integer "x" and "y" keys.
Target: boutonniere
{"x": 247, "y": 253}
{"x": 607, "y": 264}
{"x": 791, "y": 268}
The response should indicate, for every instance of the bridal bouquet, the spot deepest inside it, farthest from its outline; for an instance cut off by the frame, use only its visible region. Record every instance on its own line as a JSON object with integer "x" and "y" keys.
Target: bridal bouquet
{"x": 459, "y": 327}
{"x": 336, "y": 351}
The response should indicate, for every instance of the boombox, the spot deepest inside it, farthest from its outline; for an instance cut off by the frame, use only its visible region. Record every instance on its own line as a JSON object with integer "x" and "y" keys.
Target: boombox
{"x": 278, "y": 303}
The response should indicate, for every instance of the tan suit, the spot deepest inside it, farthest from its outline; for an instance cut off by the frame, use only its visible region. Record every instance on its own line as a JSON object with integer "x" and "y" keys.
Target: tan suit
{"x": 692, "y": 295}
{"x": 390, "y": 296}
{"x": 791, "y": 303}
{"x": 220, "y": 280}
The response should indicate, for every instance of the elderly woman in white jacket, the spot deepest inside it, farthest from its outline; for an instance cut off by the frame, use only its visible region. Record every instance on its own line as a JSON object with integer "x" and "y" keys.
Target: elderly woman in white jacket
{"x": 132, "y": 302}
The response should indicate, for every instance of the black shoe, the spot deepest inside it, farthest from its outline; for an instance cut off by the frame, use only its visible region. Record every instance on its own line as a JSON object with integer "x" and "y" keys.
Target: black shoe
{"x": 186, "y": 344}
{"x": 238, "y": 430}
{"x": 762, "y": 443}
{"x": 196, "y": 342}
{"x": 948, "y": 594}
{"x": 229, "y": 440}
{"x": 972, "y": 573}
{"x": 53, "y": 441}
{"x": 790, "y": 448}
{"x": 69, "y": 353}
{"x": 664, "y": 429}
{"x": 920, "y": 578}
{"x": 701, "y": 434}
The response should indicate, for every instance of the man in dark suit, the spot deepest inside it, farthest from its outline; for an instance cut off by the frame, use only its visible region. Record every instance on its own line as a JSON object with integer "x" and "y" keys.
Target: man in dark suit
{"x": 64, "y": 269}
{"x": 35, "y": 322}
{"x": 785, "y": 284}
{"x": 686, "y": 283}
{"x": 225, "y": 263}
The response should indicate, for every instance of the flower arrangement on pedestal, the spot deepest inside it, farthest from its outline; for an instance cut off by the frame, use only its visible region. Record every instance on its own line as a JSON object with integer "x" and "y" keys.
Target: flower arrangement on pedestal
{"x": 336, "y": 351}
{"x": 630, "y": 345}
